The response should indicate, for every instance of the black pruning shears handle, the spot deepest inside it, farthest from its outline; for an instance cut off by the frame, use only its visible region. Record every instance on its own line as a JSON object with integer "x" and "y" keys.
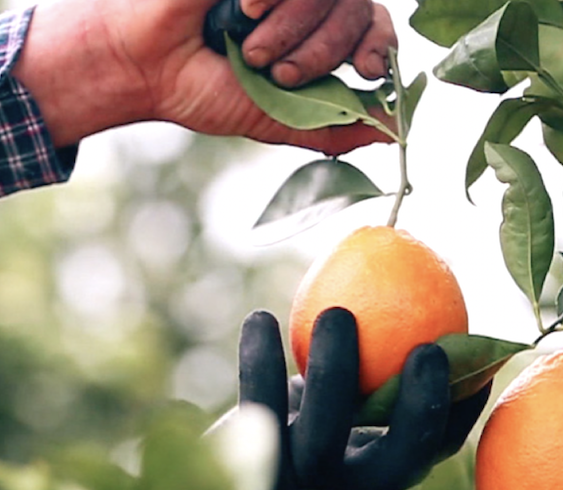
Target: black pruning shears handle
{"x": 226, "y": 16}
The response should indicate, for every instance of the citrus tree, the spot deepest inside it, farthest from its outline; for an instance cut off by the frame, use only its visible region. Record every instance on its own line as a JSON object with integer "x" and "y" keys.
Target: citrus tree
{"x": 495, "y": 46}
{"x": 508, "y": 44}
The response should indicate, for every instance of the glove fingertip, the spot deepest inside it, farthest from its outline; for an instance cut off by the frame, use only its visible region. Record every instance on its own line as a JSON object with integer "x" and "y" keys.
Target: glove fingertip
{"x": 262, "y": 368}
{"x": 335, "y": 335}
{"x": 336, "y": 314}
{"x": 260, "y": 336}
{"x": 261, "y": 317}
{"x": 427, "y": 359}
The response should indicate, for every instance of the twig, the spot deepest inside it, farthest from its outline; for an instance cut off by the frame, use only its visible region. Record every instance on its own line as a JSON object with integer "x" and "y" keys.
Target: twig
{"x": 405, "y": 187}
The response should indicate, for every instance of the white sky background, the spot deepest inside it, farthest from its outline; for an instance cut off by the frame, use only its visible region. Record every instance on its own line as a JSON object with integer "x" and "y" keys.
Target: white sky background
{"x": 446, "y": 126}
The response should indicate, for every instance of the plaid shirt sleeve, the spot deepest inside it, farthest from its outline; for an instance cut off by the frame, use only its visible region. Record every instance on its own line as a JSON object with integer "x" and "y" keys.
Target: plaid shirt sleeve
{"x": 28, "y": 158}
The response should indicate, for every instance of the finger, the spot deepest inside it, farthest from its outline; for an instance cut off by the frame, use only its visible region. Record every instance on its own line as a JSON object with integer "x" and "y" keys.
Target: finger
{"x": 320, "y": 433}
{"x": 370, "y": 56}
{"x": 285, "y": 27}
{"x": 463, "y": 416}
{"x": 334, "y": 140}
{"x": 257, "y": 8}
{"x": 327, "y": 47}
{"x": 263, "y": 378}
{"x": 262, "y": 369}
{"x": 406, "y": 453}
{"x": 419, "y": 419}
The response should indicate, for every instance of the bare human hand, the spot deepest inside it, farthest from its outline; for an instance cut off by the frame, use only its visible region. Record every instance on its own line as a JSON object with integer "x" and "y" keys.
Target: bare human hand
{"x": 95, "y": 64}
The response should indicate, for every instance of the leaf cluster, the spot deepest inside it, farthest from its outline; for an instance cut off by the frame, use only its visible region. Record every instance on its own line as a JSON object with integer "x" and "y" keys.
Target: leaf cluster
{"x": 473, "y": 359}
{"x": 496, "y": 45}
{"x": 325, "y": 186}
{"x": 499, "y": 48}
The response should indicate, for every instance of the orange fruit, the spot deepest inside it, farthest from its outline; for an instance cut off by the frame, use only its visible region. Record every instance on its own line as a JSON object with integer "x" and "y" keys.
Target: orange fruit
{"x": 400, "y": 292}
{"x": 521, "y": 446}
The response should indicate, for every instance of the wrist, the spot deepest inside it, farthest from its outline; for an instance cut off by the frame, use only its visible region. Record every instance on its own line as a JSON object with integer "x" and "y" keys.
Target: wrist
{"x": 75, "y": 76}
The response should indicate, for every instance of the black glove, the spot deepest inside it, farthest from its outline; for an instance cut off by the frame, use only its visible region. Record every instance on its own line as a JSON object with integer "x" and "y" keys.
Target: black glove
{"x": 320, "y": 447}
{"x": 226, "y": 16}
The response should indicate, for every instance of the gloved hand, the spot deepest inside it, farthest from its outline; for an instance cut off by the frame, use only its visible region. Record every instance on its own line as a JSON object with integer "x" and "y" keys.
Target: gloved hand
{"x": 320, "y": 448}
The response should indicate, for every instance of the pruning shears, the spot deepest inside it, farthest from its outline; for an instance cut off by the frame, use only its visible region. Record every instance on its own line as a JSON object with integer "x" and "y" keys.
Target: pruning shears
{"x": 227, "y": 16}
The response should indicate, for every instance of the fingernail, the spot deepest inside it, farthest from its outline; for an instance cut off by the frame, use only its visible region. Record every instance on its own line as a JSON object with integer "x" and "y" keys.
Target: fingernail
{"x": 287, "y": 73}
{"x": 258, "y": 57}
{"x": 375, "y": 65}
{"x": 256, "y": 9}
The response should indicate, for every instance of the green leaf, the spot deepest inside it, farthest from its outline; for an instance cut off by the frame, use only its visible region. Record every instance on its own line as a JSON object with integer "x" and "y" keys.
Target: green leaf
{"x": 507, "y": 122}
{"x": 550, "y": 39}
{"x": 548, "y": 81}
{"x": 377, "y": 409}
{"x": 413, "y": 94}
{"x": 312, "y": 193}
{"x": 559, "y": 302}
{"x": 445, "y": 21}
{"x": 321, "y": 103}
{"x": 552, "y": 114}
{"x": 549, "y": 12}
{"x": 474, "y": 360}
{"x": 527, "y": 231}
{"x": 553, "y": 140}
{"x": 379, "y": 97}
{"x": 456, "y": 472}
{"x": 513, "y": 78}
{"x": 505, "y": 41}
{"x": 517, "y": 43}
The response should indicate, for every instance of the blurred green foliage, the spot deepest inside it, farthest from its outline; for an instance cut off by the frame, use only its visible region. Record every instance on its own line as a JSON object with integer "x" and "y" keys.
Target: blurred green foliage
{"x": 114, "y": 299}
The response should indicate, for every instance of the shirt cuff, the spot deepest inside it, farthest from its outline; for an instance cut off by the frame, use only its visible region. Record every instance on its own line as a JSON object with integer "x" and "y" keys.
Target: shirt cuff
{"x": 28, "y": 157}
